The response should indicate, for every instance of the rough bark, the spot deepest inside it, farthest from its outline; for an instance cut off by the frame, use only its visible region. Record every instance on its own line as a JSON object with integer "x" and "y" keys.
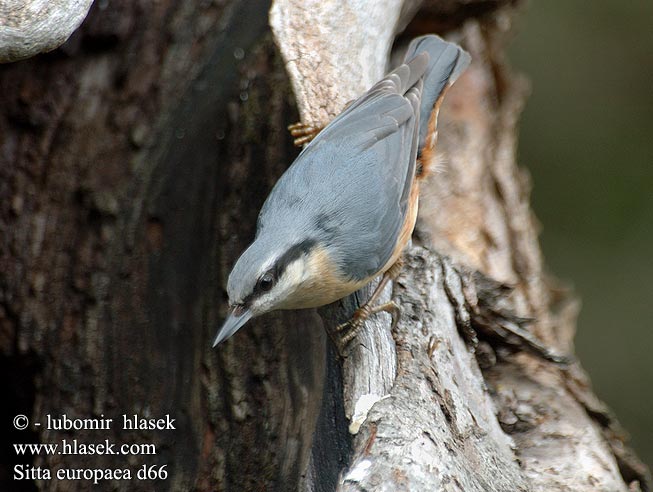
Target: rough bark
{"x": 134, "y": 160}
{"x": 37, "y": 26}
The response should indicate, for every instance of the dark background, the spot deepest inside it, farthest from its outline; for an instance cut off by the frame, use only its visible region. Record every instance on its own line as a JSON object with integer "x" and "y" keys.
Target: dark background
{"x": 587, "y": 139}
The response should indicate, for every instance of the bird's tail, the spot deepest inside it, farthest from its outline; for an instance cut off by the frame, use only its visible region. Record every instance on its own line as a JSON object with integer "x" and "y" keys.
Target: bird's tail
{"x": 446, "y": 62}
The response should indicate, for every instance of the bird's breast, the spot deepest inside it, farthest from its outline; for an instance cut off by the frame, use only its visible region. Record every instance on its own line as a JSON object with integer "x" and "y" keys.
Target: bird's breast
{"x": 323, "y": 282}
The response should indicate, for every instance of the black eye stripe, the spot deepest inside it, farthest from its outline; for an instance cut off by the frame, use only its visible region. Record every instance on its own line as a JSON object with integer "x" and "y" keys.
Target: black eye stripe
{"x": 303, "y": 248}
{"x": 266, "y": 282}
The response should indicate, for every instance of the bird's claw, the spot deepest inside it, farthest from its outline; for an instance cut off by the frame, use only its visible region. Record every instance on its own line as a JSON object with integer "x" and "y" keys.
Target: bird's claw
{"x": 303, "y": 133}
{"x": 347, "y": 331}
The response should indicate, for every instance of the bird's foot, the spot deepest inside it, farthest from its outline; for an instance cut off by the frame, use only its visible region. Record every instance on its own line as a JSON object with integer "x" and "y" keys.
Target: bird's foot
{"x": 303, "y": 133}
{"x": 346, "y": 332}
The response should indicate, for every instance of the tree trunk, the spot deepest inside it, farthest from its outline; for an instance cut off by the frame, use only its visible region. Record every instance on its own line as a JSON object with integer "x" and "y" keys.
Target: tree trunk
{"x": 134, "y": 162}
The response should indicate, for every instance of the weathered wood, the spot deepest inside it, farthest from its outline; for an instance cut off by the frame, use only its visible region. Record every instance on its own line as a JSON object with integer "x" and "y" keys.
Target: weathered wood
{"x": 37, "y": 26}
{"x": 327, "y": 73}
{"x": 436, "y": 428}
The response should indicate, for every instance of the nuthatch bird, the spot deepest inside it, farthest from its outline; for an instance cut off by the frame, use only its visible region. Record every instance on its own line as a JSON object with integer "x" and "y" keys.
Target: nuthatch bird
{"x": 344, "y": 211}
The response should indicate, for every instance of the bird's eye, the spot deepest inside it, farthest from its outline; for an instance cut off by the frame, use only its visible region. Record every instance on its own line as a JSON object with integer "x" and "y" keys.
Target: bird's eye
{"x": 266, "y": 282}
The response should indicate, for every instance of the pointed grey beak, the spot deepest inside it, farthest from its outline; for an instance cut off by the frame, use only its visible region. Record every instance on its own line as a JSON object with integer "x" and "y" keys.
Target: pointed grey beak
{"x": 238, "y": 317}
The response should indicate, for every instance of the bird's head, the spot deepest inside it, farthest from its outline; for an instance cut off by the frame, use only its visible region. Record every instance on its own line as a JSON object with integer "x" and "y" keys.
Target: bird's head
{"x": 268, "y": 278}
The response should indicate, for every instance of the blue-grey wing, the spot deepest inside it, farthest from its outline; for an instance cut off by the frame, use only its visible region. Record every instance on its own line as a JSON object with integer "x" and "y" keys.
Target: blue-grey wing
{"x": 349, "y": 189}
{"x": 382, "y": 134}
{"x": 350, "y": 186}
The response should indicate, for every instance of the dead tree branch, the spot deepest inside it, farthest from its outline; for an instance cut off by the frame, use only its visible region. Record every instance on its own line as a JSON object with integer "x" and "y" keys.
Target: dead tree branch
{"x": 37, "y": 26}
